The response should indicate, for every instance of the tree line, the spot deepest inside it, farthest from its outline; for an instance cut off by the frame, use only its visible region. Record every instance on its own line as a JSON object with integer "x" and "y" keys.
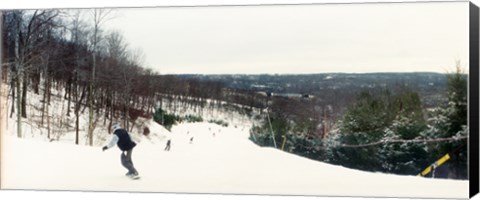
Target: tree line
{"x": 94, "y": 69}
{"x": 382, "y": 129}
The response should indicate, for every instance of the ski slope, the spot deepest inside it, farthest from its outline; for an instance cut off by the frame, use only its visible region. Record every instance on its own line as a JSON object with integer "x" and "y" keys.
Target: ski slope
{"x": 219, "y": 160}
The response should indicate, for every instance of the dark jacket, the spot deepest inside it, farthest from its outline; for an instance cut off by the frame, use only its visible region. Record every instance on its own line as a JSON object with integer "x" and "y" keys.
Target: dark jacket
{"x": 125, "y": 143}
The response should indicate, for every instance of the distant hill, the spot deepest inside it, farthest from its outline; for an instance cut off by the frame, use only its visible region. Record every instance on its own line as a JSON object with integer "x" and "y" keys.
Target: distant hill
{"x": 430, "y": 86}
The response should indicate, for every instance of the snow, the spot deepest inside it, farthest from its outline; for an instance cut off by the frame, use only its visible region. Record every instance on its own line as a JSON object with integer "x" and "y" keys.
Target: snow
{"x": 228, "y": 112}
{"x": 219, "y": 160}
{"x": 226, "y": 163}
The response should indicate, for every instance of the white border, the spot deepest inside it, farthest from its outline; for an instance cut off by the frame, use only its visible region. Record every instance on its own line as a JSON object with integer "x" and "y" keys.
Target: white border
{"x": 42, "y": 4}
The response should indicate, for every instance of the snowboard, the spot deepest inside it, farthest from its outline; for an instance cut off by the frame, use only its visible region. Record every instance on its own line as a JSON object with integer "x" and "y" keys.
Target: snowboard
{"x": 134, "y": 177}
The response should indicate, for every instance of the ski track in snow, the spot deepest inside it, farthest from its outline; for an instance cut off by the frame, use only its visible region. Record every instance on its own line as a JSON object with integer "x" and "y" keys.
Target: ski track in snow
{"x": 226, "y": 163}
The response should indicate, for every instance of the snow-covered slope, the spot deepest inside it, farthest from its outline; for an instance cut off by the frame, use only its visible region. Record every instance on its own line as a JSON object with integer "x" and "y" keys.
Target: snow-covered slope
{"x": 204, "y": 158}
{"x": 218, "y": 160}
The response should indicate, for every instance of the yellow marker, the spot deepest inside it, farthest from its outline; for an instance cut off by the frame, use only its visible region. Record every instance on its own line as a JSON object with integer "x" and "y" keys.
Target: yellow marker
{"x": 442, "y": 160}
{"x": 435, "y": 165}
{"x": 426, "y": 171}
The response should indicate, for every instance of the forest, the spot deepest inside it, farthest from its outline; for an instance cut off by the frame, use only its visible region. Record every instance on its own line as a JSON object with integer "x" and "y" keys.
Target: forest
{"x": 389, "y": 128}
{"x": 391, "y": 123}
{"x": 69, "y": 50}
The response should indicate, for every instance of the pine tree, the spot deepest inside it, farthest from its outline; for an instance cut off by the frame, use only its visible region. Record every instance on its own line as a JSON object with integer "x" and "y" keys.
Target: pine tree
{"x": 451, "y": 121}
{"x": 167, "y": 120}
{"x": 381, "y": 117}
{"x": 403, "y": 158}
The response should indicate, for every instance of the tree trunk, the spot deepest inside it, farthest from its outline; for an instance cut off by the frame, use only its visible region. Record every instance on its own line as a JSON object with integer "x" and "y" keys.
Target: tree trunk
{"x": 69, "y": 91}
{"x": 19, "y": 105}
{"x": 149, "y": 106}
{"x": 125, "y": 115}
{"x": 44, "y": 99}
{"x": 84, "y": 92}
{"x": 24, "y": 94}
{"x": 49, "y": 92}
{"x": 92, "y": 82}
{"x": 99, "y": 102}
{"x": 48, "y": 123}
{"x": 13, "y": 83}
{"x": 108, "y": 106}
{"x": 112, "y": 109}
{"x": 76, "y": 127}
{"x": 36, "y": 81}
{"x": 18, "y": 78}
{"x": 75, "y": 110}
{"x": 90, "y": 115}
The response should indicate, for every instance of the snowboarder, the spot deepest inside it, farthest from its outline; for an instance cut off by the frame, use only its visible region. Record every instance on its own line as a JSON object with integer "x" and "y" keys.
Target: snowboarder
{"x": 167, "y": 148}
{"x": 122, "y": 139}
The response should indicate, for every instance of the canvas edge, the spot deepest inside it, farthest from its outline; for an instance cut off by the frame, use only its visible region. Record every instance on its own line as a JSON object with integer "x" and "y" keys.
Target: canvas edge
{"x": 474, "y": 100}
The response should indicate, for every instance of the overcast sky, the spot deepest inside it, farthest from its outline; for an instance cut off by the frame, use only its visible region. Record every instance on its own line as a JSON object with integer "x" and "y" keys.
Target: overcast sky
{"x": 299, "y": 38}
{"x": 381, "y": 37}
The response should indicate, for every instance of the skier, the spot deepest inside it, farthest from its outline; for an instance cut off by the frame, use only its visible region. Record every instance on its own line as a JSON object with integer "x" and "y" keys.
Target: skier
{"x": 167, "y": 148}
{"x": 122, "y": 139}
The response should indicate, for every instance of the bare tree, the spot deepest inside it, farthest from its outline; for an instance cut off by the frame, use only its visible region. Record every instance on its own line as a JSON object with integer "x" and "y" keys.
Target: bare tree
{"x": 78, "y": 38}
{"x": 116, "y": 48}
{"x": 26, "y": 28}
{"x": 99, "y": 17}
{"x": 129, "y": 71}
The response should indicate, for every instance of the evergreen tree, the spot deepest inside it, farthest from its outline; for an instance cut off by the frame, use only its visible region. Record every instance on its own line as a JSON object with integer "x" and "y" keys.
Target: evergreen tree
{"x": 403, "y": 158}
{"x": 381, "y": 117}
{"x": 451, "y": 121}
{"x": 167, "y": 120}
{"x": 262, "y": 135}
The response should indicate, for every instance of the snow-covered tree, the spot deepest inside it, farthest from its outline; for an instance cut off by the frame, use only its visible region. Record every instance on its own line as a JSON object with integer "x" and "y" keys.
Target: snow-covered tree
{"x": 378, "y": 119}
{"x": 450, "y": 121}
{"x": 399, "y": 157}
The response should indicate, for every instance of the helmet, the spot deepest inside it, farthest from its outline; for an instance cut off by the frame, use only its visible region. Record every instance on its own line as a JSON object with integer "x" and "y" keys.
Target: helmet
{"x": 116, "y": 126}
